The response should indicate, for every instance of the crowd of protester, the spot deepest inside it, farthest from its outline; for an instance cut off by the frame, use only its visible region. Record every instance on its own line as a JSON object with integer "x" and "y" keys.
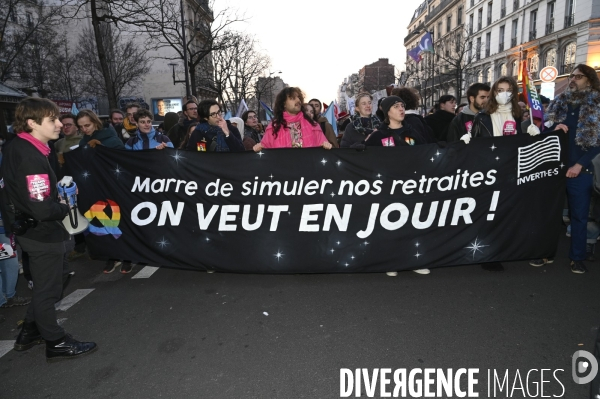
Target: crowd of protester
{"x": 38, "y": 148}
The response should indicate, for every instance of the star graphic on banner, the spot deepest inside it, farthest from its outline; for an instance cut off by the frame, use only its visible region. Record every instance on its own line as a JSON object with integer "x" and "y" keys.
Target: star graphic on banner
{"x": 366, "y": 243}
{"x": 347, "y": 265}
{"x": 497, "y": 158}
{"x": 418, "y": 254}
{"x": 332, "y": 195}
{"x": 562, "y": 165}
{"x": 493, "y": 147}
{"x": 476, "y": 246}
{"x": 207, "y": 239}
{"x": 338, "y": 163}
{"x": 438, "y": 153}
{"x": 417, "y": 245}
{"x": 162, "y": 243}
{"x": 332, "y": 250}
{"x": 260, "y": 154}
{"x": 379, "y": 175}
{"x": 289, "y": 213}
{"x": 352, "y": 257}
{"x": 85, "y": 174}
{"x": 271, "y": 176}
{"x": 323, "y": 161}
{"x": 117, "y": 171}
{"x": 278, "y": 255}
{"x": 431, "y": 159}
{"x": 177, "y": 157}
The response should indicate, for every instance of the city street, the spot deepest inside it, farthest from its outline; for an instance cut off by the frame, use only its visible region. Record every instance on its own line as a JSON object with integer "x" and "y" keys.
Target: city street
{"x": 183, "y": 334}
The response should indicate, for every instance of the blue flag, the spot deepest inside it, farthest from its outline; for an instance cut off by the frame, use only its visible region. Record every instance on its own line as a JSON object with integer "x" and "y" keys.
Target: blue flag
{"x": 268, "y": 111}
{"x": 227, "y": 115}
{"x": 330, "y": 116}
{"x": 74, "y": 109}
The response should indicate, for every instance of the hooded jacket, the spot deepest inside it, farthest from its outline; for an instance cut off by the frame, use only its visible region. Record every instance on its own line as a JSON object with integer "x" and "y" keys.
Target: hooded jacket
{"x": 461, "y": 125}
{"x": 108, "y": 138}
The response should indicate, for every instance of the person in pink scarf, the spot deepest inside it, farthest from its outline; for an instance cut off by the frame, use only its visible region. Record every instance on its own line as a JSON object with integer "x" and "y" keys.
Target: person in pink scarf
{"x": 292, "y": 127}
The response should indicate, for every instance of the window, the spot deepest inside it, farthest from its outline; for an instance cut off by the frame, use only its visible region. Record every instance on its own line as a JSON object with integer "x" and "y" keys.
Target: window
{"x": 513, "y": 33}
{"x": 480, "y": 77}
{"x": 470, "y": 51}
{"x": 570, "y": 13}
{"x": 459, "y": 16}
{"x": 471, "y": 24}
{"x": 489, "y": 13}
{"x": 503, "y": 70}
{"x": 534, "y": 64}
{"x": 533, "y": 25}
{"x": 501, "y": 39}
{"x": 449, "y": 23}
{"x": 550, "y": 59}
{"x": 503, "y": 9}
{"x": 569, "y": 57}
{"x": 489, "y": 75}
{"x": 488, "y": 43}
{"x": 479, "y": 18}
{"x": 439, "y": 29}
{"x": 550, "y": 18}
{"x": 515, "y": 69}
{"x": 515, "y": 5}
{"x": 478, "y": 49}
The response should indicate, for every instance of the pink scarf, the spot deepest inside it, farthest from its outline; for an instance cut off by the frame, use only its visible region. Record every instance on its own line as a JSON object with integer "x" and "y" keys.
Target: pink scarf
{"x": 43, "y": 148}
{"x": 312, "y": 136}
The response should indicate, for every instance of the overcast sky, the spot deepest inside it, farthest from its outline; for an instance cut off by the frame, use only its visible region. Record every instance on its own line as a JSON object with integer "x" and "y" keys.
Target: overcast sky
{"x": 316, "y": 48}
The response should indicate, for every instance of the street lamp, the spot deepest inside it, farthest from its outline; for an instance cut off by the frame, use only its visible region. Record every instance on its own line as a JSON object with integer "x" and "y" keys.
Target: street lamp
{"x": 172, "y": 64}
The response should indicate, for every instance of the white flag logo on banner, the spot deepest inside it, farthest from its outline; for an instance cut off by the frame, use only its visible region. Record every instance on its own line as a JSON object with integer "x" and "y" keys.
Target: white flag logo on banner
{"x": 534, "y": 155}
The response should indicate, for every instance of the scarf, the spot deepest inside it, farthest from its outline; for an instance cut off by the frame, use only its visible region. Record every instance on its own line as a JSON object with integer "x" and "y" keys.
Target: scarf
{"x": 43, "y": 148}
{"x": 367, "y": 125}
{"x": 502, "y": 114}
{"x": 296, "y": 135}
{"x": 589, "y": 114}
{"x": 214, "y": 133}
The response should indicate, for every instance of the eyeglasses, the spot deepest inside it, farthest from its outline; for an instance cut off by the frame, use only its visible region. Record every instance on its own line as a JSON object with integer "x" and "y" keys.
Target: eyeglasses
{"x": 192, "y": 109}
{"x": 579, "y": 76}
{"x": 215, "y": 114}
{"x": 68, "y": 124}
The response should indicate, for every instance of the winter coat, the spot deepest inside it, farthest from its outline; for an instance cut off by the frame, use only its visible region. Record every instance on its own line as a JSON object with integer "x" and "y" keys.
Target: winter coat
{"x": 483, "y": 126}
{"x": 460, "y": 125}
{"x": 147, "y": 141}
{"x": 107, "y": 137}
{"x": 417, "y": 122}
{"x": 439, "y": 122}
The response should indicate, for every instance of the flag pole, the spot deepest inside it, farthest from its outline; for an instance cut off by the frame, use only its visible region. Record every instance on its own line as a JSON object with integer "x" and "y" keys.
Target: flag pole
{"x": 432, "y": 69}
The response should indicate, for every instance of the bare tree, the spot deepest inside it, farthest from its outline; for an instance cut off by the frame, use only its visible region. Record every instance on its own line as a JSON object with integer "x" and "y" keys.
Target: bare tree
{"x": 205, "y": 33}
{"x": 127, "y": 63}
{"x": 63, "y": 79}
{"x": 237, "y": 68}
{"x": 22, "y": 24}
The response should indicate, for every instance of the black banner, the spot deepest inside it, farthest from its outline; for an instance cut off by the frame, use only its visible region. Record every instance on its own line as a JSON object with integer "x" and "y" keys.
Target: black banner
{"x": 313, "y": 211}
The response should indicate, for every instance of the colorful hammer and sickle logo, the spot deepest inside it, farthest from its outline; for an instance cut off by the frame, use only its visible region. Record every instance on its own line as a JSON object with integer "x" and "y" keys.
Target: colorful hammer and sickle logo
{"x": 109, "y": 225}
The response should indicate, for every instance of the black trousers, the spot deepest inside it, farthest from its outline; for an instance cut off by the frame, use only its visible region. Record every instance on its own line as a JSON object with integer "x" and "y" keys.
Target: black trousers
{"x": 46, "y": 266}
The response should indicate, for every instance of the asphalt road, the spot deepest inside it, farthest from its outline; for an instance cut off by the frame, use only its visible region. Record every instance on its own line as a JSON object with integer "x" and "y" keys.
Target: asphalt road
{"x": 182, "y": 334}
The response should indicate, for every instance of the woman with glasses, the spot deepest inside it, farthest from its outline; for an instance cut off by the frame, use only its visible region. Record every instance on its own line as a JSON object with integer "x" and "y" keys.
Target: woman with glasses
{"x": 252, "y": 129}
{"x": 214, "y": 133}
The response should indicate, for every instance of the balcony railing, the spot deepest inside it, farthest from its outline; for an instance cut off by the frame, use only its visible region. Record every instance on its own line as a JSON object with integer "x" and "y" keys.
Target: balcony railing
{"x": 513, "y": 42}
{"x": 434, "y": 13}
{"x": 532, "y": 35}
{"x": 489, "y": 20}
{"x": 470, "y": 29}
{"x": 503, "y": 12}
{"x": 569, "y": 20}
{"x": 500, "y": 47}
{"x": 479, "y": 26}
{"x": 550, "y": 27}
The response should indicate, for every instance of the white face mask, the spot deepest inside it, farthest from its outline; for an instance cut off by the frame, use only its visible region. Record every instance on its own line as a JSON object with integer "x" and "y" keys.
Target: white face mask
{"x": 503, "y": 98}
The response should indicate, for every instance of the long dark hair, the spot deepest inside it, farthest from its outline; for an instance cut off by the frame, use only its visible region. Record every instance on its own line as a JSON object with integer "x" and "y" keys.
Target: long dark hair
{"x": 492, "y": 105}
{"x": 589, "y": 73}
{"x": 278, "y": 120}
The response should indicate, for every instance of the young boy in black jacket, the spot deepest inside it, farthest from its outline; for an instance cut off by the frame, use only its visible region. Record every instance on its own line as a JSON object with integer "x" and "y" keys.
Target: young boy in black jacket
{"x": 34, "y": 213}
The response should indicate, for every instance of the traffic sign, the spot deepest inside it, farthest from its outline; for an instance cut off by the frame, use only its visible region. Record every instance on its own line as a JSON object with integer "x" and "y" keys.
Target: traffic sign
{"x": 548, "y": 74}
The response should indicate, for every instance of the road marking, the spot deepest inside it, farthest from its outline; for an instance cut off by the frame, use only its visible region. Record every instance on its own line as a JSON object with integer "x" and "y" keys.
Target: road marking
{"x": 146, "y": 272}
{"x": 72, "y": 299}
{"x": 5, "y": 347}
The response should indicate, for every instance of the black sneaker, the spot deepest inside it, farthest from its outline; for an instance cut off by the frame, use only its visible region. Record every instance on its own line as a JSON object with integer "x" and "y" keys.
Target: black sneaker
{"x": 126, "y": 267}
{"x": 578, "y": 267}
{"x": 68, "y": 348}
{"x": 110, "y": 266}
{"x": 541, "y": 262}
{"x": 16, "y": 301}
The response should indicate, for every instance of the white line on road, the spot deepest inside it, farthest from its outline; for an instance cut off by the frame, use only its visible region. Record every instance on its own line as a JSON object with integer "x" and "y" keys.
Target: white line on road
{"x": 146, "y": 272}
{"x": 72, "y": 299}
{"x": 5, "y": 347}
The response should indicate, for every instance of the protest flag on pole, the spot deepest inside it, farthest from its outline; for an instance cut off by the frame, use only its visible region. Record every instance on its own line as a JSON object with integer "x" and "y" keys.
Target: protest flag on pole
{"x": 268, "y": 111}
{"x": 531, "y": 94}
{"x": 330, "y": 116}
{"x": 241, "y": 109}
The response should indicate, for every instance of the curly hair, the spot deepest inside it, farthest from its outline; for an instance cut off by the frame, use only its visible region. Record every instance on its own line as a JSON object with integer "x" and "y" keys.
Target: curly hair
{"x": 278, "y": 119}
{"x": 589, "y": 73}
{"x": 142, "y": 113}
{"x": 408, "y": 95}
{"x": 492, "y": 105}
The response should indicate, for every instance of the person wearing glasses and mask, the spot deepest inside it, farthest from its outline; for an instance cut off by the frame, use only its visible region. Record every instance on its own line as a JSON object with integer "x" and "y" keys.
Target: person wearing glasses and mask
{"x": 214, "y": 133}
{"x": 576, "y": 111}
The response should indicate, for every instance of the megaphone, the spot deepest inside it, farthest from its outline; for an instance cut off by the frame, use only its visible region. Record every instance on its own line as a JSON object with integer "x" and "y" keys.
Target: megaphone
{"x": 74, "y": 222}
